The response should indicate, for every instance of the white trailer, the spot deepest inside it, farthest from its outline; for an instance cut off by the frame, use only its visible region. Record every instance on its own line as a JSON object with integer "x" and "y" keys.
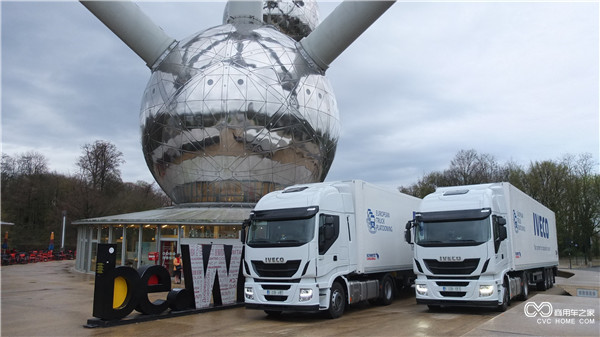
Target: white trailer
{"x": 319, "y": 247}
{"x": 481, "y": 245}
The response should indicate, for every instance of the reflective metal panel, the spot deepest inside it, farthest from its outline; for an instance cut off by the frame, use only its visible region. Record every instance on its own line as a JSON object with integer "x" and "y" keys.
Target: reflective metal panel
{"x": 235, "y": 112}
{"x": 294, "y": 18}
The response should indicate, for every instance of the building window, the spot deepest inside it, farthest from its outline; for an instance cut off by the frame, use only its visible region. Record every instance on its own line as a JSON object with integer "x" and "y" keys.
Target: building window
{"x": 168, "y": 231}
{"x": 148, "y": 243}
{"x": 211, "y": 232}
{"x": 132, "y": 235}
{"x": 117, "y": 238}
{"x": 198, "y": 232}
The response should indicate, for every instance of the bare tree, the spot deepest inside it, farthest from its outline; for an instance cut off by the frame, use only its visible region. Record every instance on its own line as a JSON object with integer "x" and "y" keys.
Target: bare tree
{"x": 28, "y": 163}
{"x": 100, "y": 163}
{"x": 583, "y": 200}
{"x": 8, "y": 167}
{"x": 571, "y": 188}
{"x": 469, "y": 167}
{"x": 31, "y": 163}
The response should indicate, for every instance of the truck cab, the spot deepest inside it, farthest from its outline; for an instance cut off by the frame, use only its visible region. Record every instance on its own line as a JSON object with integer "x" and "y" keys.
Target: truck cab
{"x": 295, "y": 246}
{"x": 464, "y": 254}
{"x": 322, "y": 246}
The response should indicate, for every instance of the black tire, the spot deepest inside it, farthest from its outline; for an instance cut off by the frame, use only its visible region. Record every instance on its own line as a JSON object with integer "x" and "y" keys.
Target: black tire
{"x": 506, "y": 298}
{"x": 543, "y": 285}
{"x": 387, "y": 291}
{"x": 337, "y": 301}
{"x": 273, "y": 313}
{"x": 524, "y": 287}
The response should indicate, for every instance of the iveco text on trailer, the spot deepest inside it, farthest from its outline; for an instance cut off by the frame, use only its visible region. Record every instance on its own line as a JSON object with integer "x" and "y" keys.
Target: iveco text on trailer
{"x": 481, "y": 245}
{"x": 319, "y": 247}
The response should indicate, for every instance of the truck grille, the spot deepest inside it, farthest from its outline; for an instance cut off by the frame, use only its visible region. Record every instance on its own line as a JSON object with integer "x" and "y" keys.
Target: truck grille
{"x": 275, "y": 286}
{"x": 453, "y": 293}
{"x": 276, "y": 269}
{"x": 465, "y": 267}
{"x": 452, "y": 284}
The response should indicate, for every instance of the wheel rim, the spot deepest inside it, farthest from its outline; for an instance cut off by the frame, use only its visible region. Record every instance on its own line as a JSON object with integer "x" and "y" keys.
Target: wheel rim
{"x": 336, "y": 300}
{"x": 388, "y": 290}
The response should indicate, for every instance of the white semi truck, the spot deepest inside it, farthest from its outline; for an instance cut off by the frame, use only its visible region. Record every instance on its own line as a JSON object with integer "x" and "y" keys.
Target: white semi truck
{"x": 481, "y": 245}
{"x": 322, "y": 246}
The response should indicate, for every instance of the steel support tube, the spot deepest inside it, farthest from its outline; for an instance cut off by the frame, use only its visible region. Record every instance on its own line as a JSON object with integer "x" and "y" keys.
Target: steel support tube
{"x": 344, "y": 25}
{"x": 132, "y": 26}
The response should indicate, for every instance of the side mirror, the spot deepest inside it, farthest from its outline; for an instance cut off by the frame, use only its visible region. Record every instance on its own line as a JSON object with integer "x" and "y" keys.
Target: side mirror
{"x": 408, "y": 232}
{"x": 501, "y": 221}
{"x": 245, "y": 225}
{"x": 503, "y": 233}
{"x": 408, "y": 236}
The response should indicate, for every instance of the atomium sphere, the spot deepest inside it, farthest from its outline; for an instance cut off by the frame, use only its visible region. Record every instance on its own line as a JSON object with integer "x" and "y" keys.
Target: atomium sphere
{"x": 235, "y": 112}
{"x": 296, "y": 19}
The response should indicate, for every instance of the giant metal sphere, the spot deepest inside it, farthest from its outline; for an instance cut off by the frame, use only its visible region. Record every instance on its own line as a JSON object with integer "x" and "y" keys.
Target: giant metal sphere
{"x": 294, "y": 18}
{"x": 235, "y": 112}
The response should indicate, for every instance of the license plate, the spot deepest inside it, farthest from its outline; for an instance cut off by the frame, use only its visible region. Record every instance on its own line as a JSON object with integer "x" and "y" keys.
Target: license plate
{"x": 452, "y": 288}
{"x": 274, "y": 292}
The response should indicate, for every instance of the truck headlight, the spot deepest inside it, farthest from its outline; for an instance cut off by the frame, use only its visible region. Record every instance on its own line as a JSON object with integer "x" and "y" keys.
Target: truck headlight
{"x": 421, "y": 289}
{"x": 486, "y": 290}
{"x": 249, "y": 293}
{"x": 305, "y": 294}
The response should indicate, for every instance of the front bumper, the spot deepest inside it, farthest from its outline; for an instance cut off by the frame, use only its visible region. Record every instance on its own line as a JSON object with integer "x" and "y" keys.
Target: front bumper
{"x": 458, "y": 292}
{"x": 281, "y": 296}
{"x": 279, "y": 307}
{"x": 459, "y": 303}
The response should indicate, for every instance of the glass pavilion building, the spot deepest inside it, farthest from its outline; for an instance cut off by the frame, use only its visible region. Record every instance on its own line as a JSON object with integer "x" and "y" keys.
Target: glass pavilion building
{"x": 153, "y": 237}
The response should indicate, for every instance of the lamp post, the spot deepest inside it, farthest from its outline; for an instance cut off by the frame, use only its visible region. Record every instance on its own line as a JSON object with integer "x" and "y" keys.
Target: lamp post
{"x": 62, "y": 241}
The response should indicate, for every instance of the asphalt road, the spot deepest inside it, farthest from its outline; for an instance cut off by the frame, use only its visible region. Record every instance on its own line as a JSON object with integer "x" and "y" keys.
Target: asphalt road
{"x": 51, "y": 299}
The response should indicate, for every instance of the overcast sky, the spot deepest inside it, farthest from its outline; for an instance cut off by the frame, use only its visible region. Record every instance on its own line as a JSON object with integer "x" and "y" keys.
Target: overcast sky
{"x": 519, "y": 81}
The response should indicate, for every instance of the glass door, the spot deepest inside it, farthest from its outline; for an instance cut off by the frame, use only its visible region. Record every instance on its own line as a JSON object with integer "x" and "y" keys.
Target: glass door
{"x": 168, "y": 249}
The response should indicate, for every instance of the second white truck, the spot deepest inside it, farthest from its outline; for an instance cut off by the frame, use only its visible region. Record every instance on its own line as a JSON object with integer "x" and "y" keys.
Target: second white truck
{"x": 481, "y": 245}
{"x": 320, "y": 247}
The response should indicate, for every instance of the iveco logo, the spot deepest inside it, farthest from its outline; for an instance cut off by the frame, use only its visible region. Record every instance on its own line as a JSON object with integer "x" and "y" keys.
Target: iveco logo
{"x": 450, "y": 259}
{"x": 274, "y": 260}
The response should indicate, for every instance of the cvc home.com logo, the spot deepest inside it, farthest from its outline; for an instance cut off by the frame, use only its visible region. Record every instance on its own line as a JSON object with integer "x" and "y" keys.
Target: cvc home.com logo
{"x": 544, "y": 313}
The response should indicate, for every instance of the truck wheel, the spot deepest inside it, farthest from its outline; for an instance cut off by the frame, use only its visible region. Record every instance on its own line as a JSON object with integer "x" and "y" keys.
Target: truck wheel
{"x": 387, "y": 291}
{"x": 505, "y": 299}
{"x": 543, "y": 285}
{"x": 524, "y": 288}
{"x": 337, "y": 301}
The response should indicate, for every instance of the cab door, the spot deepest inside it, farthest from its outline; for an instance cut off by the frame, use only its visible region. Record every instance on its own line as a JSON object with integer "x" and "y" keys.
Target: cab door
{"x": 333, "y": 248}
{"x": 501, "y": 248}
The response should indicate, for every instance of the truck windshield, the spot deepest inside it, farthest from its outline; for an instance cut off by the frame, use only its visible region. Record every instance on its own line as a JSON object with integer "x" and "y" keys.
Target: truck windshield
{"x": 281, "y": 233}
{"x": 453, "y": 233}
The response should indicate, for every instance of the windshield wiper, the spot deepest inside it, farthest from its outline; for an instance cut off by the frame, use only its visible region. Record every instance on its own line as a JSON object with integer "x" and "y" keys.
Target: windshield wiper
{"x": 258, "y": 241}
